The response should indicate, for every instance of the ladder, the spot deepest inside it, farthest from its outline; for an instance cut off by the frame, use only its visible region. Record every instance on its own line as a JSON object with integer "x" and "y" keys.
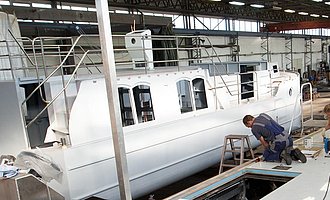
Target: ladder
{"x": 235, "y": 150}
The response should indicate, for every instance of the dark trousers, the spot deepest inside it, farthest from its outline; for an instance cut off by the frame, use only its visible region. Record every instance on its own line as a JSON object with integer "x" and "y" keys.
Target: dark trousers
{"x": 273, "y": 154}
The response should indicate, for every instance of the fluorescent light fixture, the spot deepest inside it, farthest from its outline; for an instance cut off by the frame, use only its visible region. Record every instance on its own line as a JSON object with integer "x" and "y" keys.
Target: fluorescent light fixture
{"x": 24, "y": 20}
{"x": 91, "y": 9}
{"x": 21, "y": 4}
{"x": 236, "y": 3}
{"x": 325, "y": 16}
{"x": 289, "y": 11}
{"x": 123, "y": 11}
{"x": 215, "y": 0}
{"x": 7, "y": 3}
{"x": 317, "y": 0}
{"x": 314, "y": 15}
{"x": 78, "y": 8}
{"x": 328, "y": 3}
{"x": 257, "y": 5}
{"x": 63, "y": 7}
{"x": 302, "y": 13}
{"x": 41, "y": 5}
{"x": 43, "y": 21}
{"x": 81, "y": 22}
{"x": 277, "y": 8}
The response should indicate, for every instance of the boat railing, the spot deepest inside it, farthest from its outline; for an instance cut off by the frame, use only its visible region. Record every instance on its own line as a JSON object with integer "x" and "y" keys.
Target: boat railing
{"x": 38, "y": 52}
{"x": 71, "y": 77}
{"x": 306, "y": 92}
{"x": 59, "y": 68}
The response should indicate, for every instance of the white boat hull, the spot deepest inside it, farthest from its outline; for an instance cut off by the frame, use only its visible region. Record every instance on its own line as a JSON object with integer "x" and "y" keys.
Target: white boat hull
{"x": 159, "y": 155}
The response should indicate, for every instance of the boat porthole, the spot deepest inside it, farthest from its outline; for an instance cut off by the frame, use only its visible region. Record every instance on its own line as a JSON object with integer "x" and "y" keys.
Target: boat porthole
{"x": 290, "y": 92}
{"x": 133, "y": 40}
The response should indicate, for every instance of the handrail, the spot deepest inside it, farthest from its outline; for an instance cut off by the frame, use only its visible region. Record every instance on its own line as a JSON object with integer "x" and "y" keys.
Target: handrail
{"x": 50, "y": 75}
{"x": 294, "y": 108}
{"x": 216, "y": 69}
{"x": 63, "y": 89}
{"x": 53, "y": 72}
{"x": 308, "y": 101}
{"x": 221, "y": 64}
{"x": 33, "y": 63}
{"x": 91, "y": 61}
{"x": 20, "y": 46}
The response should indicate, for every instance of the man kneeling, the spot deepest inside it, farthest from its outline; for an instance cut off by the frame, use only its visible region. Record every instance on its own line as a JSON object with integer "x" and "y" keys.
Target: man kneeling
{"x": 277, "y": 142}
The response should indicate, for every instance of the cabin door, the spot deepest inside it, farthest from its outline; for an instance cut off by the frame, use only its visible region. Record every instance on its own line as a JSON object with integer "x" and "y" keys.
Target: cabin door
{"x": 37, "y": 130}
{"x": 247, "y": 88}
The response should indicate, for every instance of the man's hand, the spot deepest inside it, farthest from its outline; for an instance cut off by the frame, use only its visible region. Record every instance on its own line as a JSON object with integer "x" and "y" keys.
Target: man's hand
{"x": 264, "y": 142}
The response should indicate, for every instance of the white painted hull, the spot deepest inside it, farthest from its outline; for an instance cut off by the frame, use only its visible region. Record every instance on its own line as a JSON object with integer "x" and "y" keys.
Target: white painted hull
{"x": 161, "y": 154}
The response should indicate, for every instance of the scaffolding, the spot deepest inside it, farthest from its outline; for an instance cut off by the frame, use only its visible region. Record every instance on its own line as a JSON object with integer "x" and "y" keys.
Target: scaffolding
{"x": 265, "y": 55}
{"x": 288, "y": 53}
{"x": 308, "y": 55}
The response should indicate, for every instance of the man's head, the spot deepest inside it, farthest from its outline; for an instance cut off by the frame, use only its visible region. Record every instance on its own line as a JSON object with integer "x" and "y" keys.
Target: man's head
{"x": 248, "y": 121}
{"x": 326, "y": 110}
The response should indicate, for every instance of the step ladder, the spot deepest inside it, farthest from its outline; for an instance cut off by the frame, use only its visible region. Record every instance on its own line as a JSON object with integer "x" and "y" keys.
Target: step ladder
{"x": 239, "y": 149}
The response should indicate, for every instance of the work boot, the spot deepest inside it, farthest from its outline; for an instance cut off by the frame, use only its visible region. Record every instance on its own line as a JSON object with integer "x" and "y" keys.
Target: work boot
{"x": 296, "y": 153}
{"x": 285, "y": 156}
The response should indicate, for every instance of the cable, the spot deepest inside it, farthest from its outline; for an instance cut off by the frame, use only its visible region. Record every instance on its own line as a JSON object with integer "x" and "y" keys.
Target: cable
{"x": 326, "y": 192}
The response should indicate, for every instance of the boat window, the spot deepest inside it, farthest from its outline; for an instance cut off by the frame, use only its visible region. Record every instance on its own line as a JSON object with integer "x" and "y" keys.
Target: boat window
{"x": 125, "y": 106}
{"x": 184, "y": 95}
{"x": 143, "y": 103}
{"x": 275, "y": 68}
{"x": 247, "y": 90}
{"x": 199, "y": 93}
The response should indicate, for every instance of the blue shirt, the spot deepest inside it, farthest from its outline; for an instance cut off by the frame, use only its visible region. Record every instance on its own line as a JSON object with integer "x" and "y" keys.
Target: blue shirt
{"x": 259, "y": 127}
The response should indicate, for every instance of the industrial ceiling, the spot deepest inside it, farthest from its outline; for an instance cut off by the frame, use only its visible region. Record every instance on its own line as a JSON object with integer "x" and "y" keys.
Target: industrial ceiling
{"x": 271, "y": 12}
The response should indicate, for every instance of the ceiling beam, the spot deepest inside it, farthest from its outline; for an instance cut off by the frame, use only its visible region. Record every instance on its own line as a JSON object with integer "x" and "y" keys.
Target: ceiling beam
{"x": 286, "y": 26}
{"x": 194, "y": 7}
{"x": 82, "y": 16}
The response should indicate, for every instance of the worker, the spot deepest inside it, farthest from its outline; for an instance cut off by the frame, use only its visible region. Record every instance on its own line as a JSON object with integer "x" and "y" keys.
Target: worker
{"x": 277, "y": 142}
{"x": 326, "y": 134}
{"x": 326, "y": 111}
